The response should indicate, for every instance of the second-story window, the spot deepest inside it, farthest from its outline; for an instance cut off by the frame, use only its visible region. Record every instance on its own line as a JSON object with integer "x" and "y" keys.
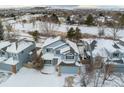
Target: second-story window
{"x": 69, "y": 57}
{"x": 115, "y": 55}
{"x": 57, "y": 51}
{"x": 48, "y": 50}
{"x": 14, "y": 56}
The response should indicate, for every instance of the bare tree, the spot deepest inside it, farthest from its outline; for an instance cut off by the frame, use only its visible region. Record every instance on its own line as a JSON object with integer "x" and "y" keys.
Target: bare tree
{"x": 85, "y": 78}
{"x": 48, "y": 27}
{"x": 96, "y": 73}
{"x": 1, "y": 31}
{"x": 115, "y": 26}
{"x": 69, "y": 81}
{"x": 101, "y": 27}
{"x": 9, "y": 29}
{"x": 37, "y": 61}
{"x": 101, "y": 30}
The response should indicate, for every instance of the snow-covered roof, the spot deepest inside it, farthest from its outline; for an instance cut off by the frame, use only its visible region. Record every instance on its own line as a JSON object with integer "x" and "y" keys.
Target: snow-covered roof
{"x": 122, "y": 39}
{"x": 107, "y": 44}
{"x": 73, "y": 45}
{"x": 20, "y": 46}
{"x": 10, "y": 61}
{"x": 65, "y": 49}
{"x": 103, "y": 46}
{"x": 2, "y": 59}
{"x": 59, "y": 45}
{"x": 70, "y": 43}
{"x": 101, "y": 19}
{"x": 4, "y": 44}
{"x": 51, "y": 40}
{"x": 69, "y": 62}
{"x": 100, "y": 52}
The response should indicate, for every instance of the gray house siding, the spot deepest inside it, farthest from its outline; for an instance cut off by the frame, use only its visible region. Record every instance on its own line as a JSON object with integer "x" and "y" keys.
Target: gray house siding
{"x": 8, "y": 67}
{"x": 5, "y": 67}
{"x": 24, "y": 56}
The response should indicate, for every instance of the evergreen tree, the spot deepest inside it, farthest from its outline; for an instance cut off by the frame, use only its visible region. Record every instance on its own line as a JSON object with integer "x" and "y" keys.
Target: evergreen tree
{"x": 121, "y": 20}
{"x": 71, "y": 33}
{"x": 74, "y": 34}
{"x": 77, "y": 34}
{"x": 89, "y": 20}
{"x": 1, "y": 31}
{"x": 68, "y": 20}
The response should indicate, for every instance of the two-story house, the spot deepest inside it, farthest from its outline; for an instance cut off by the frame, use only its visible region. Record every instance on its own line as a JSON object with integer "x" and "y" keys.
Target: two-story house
{"x": 108, "y": 49}
{"x": 13, "y": 55}
{"x": 62, "y": 53}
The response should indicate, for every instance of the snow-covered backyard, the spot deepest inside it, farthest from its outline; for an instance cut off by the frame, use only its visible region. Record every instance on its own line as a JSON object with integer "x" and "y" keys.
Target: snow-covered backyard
{"x": 33, "y": 78}
{"x": 4, "y": 75}
{"x": 48, "y": 78}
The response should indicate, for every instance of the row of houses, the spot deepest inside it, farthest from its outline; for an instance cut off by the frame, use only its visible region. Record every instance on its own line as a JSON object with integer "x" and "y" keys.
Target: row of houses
{"x": 58, "y": 52}
{"x": 66, "y": 55}
{"x": 61, "y": 53}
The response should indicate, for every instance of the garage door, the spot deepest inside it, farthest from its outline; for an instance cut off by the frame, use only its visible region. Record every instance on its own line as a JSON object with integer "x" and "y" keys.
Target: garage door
{"x": 69, "y": 69}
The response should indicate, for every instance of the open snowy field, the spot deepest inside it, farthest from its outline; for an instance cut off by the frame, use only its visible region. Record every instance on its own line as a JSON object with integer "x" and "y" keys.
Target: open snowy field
{"x": 92, "y": 30}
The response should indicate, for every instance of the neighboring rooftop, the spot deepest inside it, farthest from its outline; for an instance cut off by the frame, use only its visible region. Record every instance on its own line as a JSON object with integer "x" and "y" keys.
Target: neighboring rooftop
{"x": 4, "y": 44}
{"x": 73, "y": 45}
{"x": 70, "y": 43}
{"x": 51, "y": 40}
{"x": 20, "y": 46}
{"x": 102, "y": 46}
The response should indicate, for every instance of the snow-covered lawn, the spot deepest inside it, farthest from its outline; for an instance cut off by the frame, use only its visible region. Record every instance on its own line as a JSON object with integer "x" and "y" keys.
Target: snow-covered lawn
{"x": 4, "y": 75}
{"x": 33, "y": 78}
{"x": 48, "y": 78}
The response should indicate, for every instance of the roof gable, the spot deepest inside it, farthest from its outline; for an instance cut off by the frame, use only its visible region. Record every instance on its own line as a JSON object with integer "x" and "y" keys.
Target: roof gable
{"x": 51, "y": 40}
{"x": 4, "y": 44}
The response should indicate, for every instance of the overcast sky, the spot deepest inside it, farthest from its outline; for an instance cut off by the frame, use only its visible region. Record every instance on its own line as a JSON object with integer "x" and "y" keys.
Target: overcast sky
{"x": 63, "y": 6}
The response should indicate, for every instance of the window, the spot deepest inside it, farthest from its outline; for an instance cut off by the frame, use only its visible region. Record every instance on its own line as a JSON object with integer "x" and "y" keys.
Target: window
{"x": 47, "y": 61}
{"x": 22, "y": 51}
{"x": 69, "y": 57}
{"x": 115, "y": 54}
{"x": 57, "y": 51}
{"x": 3, "y": 53}
{"x": 14, "y": 56}
{"x": 48, "y": 50}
